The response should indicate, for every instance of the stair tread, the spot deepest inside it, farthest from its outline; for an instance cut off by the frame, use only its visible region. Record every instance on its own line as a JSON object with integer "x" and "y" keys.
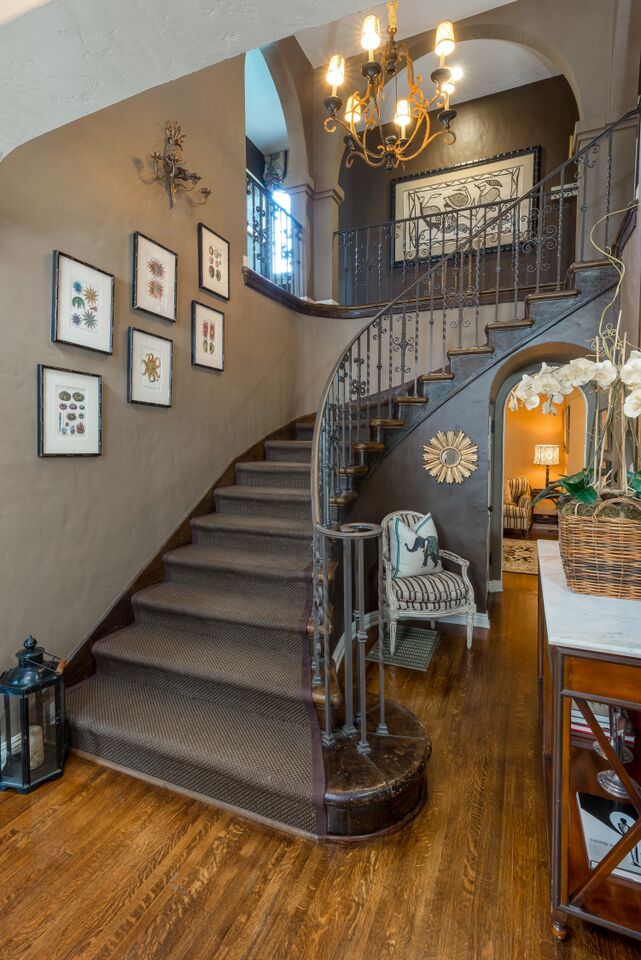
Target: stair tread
{"x": 230, "y": 607}
{"x": 272, "y": 669}
{"x": 289, "y": 444}
{"x": 244, "y": 490}
{"x": 244, "y": 561}
{"x": 274, "y": 466}
{"x": 251, "y": 748}
{"x": 270, "y": 526}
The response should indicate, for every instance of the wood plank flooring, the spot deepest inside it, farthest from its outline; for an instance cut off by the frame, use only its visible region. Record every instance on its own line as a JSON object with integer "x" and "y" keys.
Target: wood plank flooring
{"x": 98, "y": 865}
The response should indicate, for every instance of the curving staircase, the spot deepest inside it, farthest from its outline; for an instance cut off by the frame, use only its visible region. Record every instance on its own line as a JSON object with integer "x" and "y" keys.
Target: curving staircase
{"x": 224, "y": 684}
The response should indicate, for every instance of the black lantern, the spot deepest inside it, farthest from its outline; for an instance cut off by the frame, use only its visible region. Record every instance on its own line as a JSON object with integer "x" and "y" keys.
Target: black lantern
{"x": 32, "y": 731}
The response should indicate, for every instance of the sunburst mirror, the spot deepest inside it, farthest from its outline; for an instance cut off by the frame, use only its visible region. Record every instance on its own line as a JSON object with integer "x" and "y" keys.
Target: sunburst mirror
{"x": 450, "y": 457}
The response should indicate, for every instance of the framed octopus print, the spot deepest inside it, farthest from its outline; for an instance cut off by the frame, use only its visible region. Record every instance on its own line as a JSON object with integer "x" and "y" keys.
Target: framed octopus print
{"x": 207, "y": 337}
{"x": 213, "y": 262}
{"x": 69, "y": 413}
{"x": 83, "y": 304}
{"x": 155, "y": 285}
{"x": 150, "y": 373}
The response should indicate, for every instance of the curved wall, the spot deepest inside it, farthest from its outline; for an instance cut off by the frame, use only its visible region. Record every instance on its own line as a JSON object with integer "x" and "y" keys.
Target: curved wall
{"x": 76, "y": 531}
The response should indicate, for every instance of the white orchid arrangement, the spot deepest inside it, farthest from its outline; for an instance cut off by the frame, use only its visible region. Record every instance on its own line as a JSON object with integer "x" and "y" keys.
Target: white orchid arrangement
{"x": 613, "y": 370}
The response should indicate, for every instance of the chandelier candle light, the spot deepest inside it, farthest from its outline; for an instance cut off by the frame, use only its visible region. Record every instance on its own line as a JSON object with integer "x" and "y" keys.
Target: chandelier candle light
{"x": 411, "y": 115}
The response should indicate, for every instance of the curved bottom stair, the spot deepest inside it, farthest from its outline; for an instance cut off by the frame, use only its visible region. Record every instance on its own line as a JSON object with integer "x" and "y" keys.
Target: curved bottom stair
{"x": 208, "y": 690}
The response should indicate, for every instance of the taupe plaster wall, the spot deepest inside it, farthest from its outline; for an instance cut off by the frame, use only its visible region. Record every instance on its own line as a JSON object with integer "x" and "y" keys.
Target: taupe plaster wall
{"x": 76, "y": 531}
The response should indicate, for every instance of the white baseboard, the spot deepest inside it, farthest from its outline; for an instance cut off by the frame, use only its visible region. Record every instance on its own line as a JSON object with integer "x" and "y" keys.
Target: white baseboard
{"x": 481, "y": 620}
{"x": 495, "y": 586}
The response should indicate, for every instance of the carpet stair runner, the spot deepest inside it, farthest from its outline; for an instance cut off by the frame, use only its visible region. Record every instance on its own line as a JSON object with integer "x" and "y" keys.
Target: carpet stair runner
{"x": 208, "y": 689}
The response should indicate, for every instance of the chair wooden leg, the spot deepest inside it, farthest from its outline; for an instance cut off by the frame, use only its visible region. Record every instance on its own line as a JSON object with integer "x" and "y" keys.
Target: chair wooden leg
{"x": 470, "y": 628}
{"x": 392, "y": 636}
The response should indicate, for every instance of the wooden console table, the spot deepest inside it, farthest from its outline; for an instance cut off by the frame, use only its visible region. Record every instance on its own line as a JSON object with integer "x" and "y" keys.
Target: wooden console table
{"x": 589, "y": 652}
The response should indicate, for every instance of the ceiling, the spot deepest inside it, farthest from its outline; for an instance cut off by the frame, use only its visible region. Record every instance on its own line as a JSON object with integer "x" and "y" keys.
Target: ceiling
{"x": 264, "y": 118}
{"x": 489, "y": 66}
{"x": 63, "y": 59}
{"x": 414, "y": 16}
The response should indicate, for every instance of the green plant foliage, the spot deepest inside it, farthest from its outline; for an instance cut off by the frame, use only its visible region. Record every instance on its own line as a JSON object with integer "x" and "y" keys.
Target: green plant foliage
{"x": 634, "y": 481}
{"x": 579, "y": 487}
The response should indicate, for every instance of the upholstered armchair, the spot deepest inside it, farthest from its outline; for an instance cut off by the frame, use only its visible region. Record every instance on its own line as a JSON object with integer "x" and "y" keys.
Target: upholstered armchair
{"x": 517, "y": 504}
{"x": 430, "y": 596}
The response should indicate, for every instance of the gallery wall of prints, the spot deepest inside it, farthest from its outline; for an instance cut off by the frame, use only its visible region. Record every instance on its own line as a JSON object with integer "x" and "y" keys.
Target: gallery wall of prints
{"x": 70, "y": 415}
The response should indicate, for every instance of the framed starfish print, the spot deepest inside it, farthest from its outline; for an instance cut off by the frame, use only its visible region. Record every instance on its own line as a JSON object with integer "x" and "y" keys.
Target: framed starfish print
{"x": 155, "y": 285}
{"x": 83, "y": 304}
{"x": 150, "y": 374}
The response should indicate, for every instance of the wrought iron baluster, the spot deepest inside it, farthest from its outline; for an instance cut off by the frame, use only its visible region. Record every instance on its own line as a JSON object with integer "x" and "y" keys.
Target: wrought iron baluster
{"x": 559, "y": 231}
{"x": 316, "y": 595}
{"x": 516, "y": 243}
{"x": 349, "y": 727}
{"x": 540, "y": 217}
{"x": 363, "y": 745}
{"x": 382, "y": 726}
{"x": 390, "y": 363}
{"x": 497, "y": 296}
{"x": 608, "y": 188}
{"x": 328, "y": 738}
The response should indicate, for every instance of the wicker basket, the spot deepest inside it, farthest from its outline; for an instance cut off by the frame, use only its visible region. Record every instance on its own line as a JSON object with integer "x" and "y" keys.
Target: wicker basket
{"x": 602, "y": 555}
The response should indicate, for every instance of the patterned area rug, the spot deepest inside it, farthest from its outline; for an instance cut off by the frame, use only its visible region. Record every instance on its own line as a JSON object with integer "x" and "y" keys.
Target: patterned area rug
{"x": 415, "y": 648}
{"x": 520, "y": 556}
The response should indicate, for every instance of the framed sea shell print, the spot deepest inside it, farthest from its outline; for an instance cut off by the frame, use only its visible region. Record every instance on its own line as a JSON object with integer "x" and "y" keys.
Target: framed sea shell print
{"x": 207, "y": 336}
{"x": 150, "y": 373}
{"x": 69, "y": 413}
{"x": 213, "y": 262}
{"x": 82, "y": 305}
{"x": 155, "y": 282}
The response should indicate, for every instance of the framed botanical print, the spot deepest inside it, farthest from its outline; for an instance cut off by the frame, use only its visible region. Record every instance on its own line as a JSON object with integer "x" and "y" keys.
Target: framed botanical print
{"x": 428, "y": 203}
{"x": 82, "y": 304}
{"x": 150, "y": 374}
{"x": 155, "y": 283}
{"x": 69, "y": 413}
{"x": 213, "y": 262}
{"x": 207, "y": 336}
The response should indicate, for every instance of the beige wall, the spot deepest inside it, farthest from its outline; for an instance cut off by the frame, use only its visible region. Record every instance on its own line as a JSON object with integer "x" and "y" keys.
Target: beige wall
{"x": 75, "y": 531}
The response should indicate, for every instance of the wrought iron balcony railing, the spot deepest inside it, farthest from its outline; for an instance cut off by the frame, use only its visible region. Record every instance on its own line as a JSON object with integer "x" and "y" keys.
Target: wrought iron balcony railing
{"x": 274, "y": 240}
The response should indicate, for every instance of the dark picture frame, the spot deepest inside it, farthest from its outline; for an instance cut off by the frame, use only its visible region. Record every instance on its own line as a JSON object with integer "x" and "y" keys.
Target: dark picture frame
{"x": 56, "y": 337}
{"x": 42, "y": 370}
{"x": 203, "y": 280}
{"x": 460, "y": 169}
{"x": 195, "y": 336}
{"x": 130, "y": 353}
{"x": 137, "y": 296}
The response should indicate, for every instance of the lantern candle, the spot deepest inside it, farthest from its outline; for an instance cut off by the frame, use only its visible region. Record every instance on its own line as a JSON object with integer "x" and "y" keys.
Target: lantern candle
{"x": 36, "y": 746}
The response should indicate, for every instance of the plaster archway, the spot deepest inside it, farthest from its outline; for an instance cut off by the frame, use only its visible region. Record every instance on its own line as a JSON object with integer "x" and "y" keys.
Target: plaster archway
{"x": 526, "y": 361}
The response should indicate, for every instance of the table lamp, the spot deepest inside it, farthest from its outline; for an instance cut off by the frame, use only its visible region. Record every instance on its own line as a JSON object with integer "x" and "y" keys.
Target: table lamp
{"x": 546, "y": 454}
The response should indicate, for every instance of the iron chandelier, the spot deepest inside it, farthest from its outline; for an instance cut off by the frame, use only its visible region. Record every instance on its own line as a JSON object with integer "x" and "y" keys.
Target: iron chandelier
{"x": 362, "y": 118}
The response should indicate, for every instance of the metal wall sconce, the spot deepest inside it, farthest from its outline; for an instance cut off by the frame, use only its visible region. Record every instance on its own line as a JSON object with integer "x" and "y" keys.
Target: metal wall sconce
{"x": 170, "y": 170}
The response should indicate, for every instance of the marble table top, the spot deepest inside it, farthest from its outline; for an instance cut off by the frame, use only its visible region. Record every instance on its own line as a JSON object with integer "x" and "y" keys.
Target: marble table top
{"x": 575, "y": 620}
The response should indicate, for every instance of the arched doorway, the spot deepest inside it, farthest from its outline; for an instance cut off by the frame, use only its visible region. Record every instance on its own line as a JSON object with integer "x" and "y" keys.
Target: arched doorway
{"x": 574, "y": 444}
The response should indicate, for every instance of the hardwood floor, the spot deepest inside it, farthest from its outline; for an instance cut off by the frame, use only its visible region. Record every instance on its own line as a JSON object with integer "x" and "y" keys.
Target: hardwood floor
{"x": 98, "y": 865}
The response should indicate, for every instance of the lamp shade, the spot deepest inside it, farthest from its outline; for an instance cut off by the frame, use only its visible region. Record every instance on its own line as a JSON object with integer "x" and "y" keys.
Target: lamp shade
{"x": 444, "y": 44}
{"x": 546, "y": 454}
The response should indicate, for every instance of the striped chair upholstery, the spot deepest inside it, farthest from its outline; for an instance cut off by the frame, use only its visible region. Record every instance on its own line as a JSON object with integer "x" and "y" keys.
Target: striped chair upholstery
{"x": 429, "y": 596}
{"x": 517, "y": 504}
